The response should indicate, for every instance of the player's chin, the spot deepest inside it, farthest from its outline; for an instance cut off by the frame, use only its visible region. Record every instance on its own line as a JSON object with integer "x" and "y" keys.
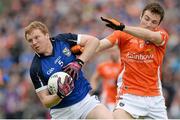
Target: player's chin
{"x": 39, "y": 51}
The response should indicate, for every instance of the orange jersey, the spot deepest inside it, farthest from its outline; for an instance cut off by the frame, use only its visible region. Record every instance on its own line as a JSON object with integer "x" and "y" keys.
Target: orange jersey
{"x": 109, "y": 73}
{"x": 140, "y": 64}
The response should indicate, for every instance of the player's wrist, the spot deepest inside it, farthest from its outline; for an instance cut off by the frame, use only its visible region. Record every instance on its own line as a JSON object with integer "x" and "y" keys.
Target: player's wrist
{"x": 61, "y": 96}
{"x": 80, "y": 62}
{"x": 122, "y": 26}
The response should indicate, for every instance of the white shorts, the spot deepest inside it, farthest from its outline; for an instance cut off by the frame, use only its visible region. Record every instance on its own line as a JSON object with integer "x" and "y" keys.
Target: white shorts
{"x": 143, "y": 107}
{"x": 79, "y": 110}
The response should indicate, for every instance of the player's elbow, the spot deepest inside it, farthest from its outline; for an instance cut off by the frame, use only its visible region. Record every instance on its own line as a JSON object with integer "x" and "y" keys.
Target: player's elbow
{"x": 49, "y": 104}
{"x": 46, "y": 104}
{"x": 89, "y": 41}
{"x": 156, "y": 39}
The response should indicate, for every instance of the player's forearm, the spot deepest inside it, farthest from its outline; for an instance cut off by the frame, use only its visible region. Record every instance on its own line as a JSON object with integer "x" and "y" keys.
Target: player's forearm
{"x": 144, "y": 34}
{"x": 89, "y": 49}
{"x": 51, "y": 100}
{"x": 103, "y": 45}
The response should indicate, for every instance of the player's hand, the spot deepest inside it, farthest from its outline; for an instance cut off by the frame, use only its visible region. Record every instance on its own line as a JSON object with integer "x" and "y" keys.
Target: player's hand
{"x": 66, "y": 88}
{"x": 73, "y": 68}
{"x": 77, "y": 49}
{"x": 114, "y": 24}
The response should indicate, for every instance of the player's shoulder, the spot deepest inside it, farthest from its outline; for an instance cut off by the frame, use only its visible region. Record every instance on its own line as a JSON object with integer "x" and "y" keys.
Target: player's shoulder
{"x": 64, "y": 36}
{"x": 164, "y": 34}
{"x": 67, "y": 38}
{"x": 121, "y": 33}
{"x": 161, "y": 30}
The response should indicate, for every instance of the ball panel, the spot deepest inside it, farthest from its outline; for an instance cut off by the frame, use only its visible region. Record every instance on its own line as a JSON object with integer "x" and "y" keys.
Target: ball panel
{"x": 52, "y": 82}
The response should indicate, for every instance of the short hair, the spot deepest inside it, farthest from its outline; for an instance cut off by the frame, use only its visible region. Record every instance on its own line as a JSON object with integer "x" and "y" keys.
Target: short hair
{"x": 36, "y": 25}
{"x": 155, "y": 8}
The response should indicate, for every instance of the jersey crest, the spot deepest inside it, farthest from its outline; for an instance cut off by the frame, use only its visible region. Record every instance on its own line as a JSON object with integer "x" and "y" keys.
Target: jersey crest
{"x": 67, "y": 52}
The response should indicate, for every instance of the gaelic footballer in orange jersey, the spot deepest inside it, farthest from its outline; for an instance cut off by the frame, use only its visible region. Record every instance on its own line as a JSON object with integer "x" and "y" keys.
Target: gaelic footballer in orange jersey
{"x": 142, "y": 49}
{"x": 141, "y": 63}
{"x": 107, "y": 72}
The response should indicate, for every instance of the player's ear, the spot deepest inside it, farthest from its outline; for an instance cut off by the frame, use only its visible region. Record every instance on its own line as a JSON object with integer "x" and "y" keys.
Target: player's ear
{"x": 47, "y": 35}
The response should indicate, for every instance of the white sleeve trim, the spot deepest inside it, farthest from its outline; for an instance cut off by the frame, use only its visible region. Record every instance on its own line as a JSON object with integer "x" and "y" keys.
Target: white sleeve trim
{"x": 163, "y": 42}
{"x": 41, "y": 88}
{"x": 79, "y": 39}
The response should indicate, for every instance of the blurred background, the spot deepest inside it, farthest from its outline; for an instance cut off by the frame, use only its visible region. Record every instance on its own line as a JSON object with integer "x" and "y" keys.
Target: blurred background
{"x": 17, "y": 94}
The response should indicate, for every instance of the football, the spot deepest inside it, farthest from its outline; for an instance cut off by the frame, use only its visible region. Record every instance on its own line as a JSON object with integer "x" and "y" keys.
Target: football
{"x": 52, "y": 82}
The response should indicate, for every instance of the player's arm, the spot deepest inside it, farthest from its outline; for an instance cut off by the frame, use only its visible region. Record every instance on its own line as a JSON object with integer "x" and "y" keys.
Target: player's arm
{"x": 145, "y": 34}
{"x": 104, "y": 44}
{"x": 40, "y": 84}
{"x": 63, "y": 90}
{"x": 84, "y": 41}
{"x": 89, "y": 44}
{"x": 48, "y": 100}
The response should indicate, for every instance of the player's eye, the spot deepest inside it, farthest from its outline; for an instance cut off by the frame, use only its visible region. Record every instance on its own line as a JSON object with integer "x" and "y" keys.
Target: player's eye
{"x": 154, "y": 22}
{"x": 146, "y": 18}
{"x": 36, "y": 37}
{"x": 29, "y": 40}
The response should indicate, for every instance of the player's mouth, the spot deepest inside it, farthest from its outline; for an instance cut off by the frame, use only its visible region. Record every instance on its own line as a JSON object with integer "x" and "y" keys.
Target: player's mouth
{"x": 37, "y": 48}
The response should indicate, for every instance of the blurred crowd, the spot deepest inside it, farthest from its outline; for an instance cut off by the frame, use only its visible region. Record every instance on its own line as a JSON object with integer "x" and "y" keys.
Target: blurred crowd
{"x": 17, "y": 95}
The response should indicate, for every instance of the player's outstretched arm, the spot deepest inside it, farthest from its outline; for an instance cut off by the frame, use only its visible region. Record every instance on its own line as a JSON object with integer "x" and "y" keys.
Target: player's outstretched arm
{"x": 145, "y": 34}
{"x": 103, "y": 45}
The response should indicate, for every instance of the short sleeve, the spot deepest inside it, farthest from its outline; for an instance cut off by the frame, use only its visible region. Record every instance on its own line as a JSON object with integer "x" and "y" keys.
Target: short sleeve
{"x": 116, "y": 36}
{"x": 164, "y": 36}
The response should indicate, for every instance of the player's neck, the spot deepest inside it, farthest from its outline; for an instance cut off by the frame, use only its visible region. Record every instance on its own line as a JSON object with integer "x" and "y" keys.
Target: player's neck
{"x": 49, "y": 49}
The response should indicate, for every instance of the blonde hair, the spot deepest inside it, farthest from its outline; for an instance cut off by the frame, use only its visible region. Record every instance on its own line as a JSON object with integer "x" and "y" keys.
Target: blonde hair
{"x": 36, "y": 25}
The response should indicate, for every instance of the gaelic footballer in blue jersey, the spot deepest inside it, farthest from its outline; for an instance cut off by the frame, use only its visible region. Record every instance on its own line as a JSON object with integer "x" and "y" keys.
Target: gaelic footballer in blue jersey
{"x": 52, "y": 55}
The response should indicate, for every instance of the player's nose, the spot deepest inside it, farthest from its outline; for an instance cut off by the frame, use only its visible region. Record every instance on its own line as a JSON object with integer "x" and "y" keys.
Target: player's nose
{"x": 34, "y": 41}
{"x": 149, "y": 24}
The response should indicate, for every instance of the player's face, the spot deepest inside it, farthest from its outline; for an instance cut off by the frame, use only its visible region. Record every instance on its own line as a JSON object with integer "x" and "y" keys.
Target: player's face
{"x": 38, "y": 41}
{"x": 150, "y": 20}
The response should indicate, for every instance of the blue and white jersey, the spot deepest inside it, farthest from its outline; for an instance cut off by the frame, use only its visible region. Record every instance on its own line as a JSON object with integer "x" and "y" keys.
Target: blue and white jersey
{"x": 44, "y": 66}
